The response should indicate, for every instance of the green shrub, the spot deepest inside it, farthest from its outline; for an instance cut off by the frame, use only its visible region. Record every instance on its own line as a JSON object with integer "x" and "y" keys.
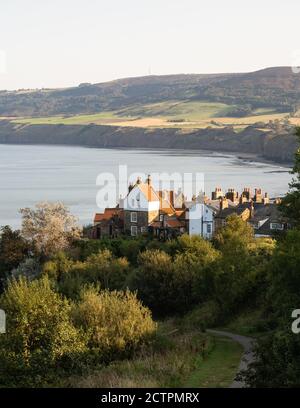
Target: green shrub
{"x": 40, "y": 338}
{"x": 101, "y": 268}
{"x": 116, "y": 322}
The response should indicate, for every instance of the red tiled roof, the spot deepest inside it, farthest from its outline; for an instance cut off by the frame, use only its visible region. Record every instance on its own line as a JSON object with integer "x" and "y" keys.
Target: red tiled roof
{"x": 174, "y": 223}
{"x": 168, "y": 223}
{"x": 148, "y": 191}
{"x": 180, "y": 213}
{"x": 108, "y": 214}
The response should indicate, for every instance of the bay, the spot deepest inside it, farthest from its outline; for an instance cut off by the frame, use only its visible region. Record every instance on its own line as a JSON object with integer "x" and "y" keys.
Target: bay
{"x": 33, "y": 173}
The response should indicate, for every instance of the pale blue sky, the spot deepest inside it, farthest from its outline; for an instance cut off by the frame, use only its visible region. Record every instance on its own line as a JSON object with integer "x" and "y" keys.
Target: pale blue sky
{"x": 60, "y": 43}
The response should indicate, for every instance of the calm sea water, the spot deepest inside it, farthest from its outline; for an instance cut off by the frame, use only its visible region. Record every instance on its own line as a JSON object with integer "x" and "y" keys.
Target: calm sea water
{"x": 29, "y": 174}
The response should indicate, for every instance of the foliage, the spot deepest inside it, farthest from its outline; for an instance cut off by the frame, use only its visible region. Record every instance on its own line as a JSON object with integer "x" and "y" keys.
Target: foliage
{"x": 101, "y": 268}
{"x": 49, "y": 227}
{"x": 174, "y": 285}
{"x": 13, "y": 250}
{"x": 277, "y": 354}
{"x": 116, "y": 322}
{"x": 290, "y": 205}
{"x": 168, "y": 361}
{"x": 30, "y": 268}
{"x": 235, "y": 274}
{"x": 40, "y": 335}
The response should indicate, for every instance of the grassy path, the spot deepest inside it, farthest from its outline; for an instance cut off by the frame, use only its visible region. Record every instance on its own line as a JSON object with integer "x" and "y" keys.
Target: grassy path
{"x": 219, "y": 368}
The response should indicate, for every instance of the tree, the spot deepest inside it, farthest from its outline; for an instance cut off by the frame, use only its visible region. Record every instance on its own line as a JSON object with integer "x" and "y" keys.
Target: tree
{"x": 290, "y": 205}
{"x": 174, "y": 285}
{"x": 277, "y": 361}
{"x": 30, "y": 269}
{"x": 49, "y": 227}
{"x": 234, "y": 278}
{"x": 154, "y": 281}
{"x": 194, "y": 265}
{"x": 13, "y": 250}
{"x": 107, "y": 270}
{"x": 40, "y": 334}
{"x": 101, "y": 268}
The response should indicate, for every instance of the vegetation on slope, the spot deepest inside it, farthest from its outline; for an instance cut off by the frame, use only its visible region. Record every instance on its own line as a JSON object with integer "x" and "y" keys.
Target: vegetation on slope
{"x": 278, "y": 88}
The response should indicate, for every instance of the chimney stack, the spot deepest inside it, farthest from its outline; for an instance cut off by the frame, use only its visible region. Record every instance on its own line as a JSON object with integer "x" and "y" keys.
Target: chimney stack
{"x": 247, "y": 193}
{"x": 266, "y": 199}
{"x": 218, "y": 193}
{"x": 232, "y": 195}
{"x": 258, "y": 195}
{"x": 223, "y": 203}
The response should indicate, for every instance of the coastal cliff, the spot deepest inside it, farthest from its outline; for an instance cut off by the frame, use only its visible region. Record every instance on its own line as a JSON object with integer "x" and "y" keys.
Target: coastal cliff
{"x": 266, "y": 144}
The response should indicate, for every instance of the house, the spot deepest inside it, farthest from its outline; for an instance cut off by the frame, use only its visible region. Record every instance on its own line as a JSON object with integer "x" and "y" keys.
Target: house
{"x": 263, "y": 215}
{"x": 140, "y": 207}
{"x": 200, "y": 219}
{"x": 109, "y": 224}
{"x": 227, "y": 208}
{"x": 166, "y": 214}
{"x": 267, "y": 221}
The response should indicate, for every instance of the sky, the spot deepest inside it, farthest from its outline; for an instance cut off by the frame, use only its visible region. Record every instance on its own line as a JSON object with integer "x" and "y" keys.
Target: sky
{"x": 60, "y": 43}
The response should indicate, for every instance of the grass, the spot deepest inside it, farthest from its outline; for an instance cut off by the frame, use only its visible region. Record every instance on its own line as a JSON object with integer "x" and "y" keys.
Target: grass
{"x": 170, "y": 110}
{"x": 248, "y": 323}
{"x": 219, "y": 369}
{"x": 176, "y": 358}
{"x": 98, "y": 118}
{"x": 179, "y": 114}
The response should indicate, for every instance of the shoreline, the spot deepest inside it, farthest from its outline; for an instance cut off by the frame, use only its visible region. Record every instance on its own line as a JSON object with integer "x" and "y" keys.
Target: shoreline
{"x": 246, "y": 157}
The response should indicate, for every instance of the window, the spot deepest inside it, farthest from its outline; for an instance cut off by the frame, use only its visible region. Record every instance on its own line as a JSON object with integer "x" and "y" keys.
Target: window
{"x": 276, "y": 226}
{"x": 133, "y": 217}
{"x": 134, "y": 231}
{"x": 143, "y": 230}
{"x": 208, "y": 228}
{"x": 161, "y": 217}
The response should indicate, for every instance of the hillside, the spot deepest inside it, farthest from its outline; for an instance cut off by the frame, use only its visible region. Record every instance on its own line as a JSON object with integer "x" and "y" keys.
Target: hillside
{"x": 274, "y": 88}
{"x": 240, "y": 112}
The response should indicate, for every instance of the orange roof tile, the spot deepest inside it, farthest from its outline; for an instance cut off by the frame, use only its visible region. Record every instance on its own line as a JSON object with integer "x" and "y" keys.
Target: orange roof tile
{"x": 148, "y": 191}
{"x": 108, "y": 214}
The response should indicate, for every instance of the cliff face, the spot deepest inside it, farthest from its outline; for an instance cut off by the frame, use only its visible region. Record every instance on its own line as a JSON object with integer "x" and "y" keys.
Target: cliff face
{"x": 268, "y": 145}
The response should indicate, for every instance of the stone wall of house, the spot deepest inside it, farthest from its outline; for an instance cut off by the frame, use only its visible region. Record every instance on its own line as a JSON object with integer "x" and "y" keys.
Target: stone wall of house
{"x": 141, "y": 222}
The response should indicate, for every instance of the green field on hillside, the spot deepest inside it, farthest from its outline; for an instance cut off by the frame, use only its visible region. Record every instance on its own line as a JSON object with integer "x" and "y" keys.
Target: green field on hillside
{"x": 182, "y": 114}
{"x": 190, "y": 111}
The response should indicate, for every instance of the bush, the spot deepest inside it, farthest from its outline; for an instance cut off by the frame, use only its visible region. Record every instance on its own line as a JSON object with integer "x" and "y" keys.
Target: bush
{"x": 154, "y": 281}
{"x": 101, "y": 268}
{"x": 174, "y": 285}
{"x": 40, "y": 338}
{"x": 116, "y": 322}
